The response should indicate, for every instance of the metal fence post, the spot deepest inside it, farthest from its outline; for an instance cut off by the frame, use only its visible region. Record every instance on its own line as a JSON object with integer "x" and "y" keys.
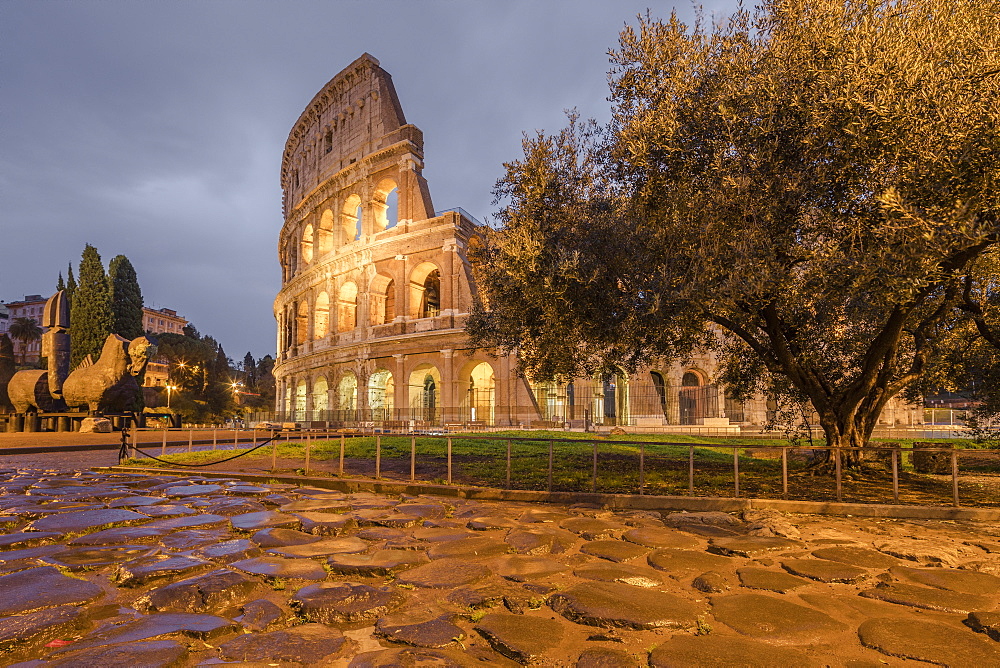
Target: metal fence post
{"x": 215, "y": 439}
{"x": 190, "y": 439}
{"x": 413, "y": 458}
{"x": 736, "y": 470}
{"x": 642, "y": 468}
{"x": 163, "y": 446}
{"x": 550, "y": 465}
{"x": 449, "y": 460}
{"x": 508, "y": 464}
{"x": 274, "y": 452}
{"x": 691, "y": 470}
{"x": 895, "y": 473}
{"x": 839, "y": 479}
{"x": 784, "y": 472}
{"x": 378, "y": 456}
{"x": 954, "y": 477}
{"x": 305, "y": 471}
{"x": 342, "y": 438}
{"x": 595, "y": 468}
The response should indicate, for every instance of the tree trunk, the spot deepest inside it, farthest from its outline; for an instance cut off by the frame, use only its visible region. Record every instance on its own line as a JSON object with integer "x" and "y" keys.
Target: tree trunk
{"x": 848, "y": 428}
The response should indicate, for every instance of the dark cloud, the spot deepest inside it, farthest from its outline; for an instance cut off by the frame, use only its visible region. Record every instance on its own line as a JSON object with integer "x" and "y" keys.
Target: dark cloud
{"x": 155, "y": 129}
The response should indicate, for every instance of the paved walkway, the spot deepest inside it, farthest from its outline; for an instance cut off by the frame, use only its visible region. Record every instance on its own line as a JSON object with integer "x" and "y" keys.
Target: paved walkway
{"x": 125, "y": 569}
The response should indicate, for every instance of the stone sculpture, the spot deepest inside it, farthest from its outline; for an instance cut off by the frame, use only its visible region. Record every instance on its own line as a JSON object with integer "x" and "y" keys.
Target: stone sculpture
{"x": 110, "y": 384}
{"x": 30, "y": 389}
{"x": 7, "y": 370}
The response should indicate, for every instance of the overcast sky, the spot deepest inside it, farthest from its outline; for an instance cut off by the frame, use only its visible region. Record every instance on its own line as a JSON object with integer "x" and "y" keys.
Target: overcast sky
{"x": 156, "y": 129}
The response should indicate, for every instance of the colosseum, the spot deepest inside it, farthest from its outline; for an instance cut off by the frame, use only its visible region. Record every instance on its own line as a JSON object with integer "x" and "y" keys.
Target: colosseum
{"x": 376, "y": 288}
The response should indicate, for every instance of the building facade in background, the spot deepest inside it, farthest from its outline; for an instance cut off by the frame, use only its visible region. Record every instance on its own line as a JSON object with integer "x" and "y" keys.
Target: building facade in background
{"x": 32, "y": 306}
{"x": 377, "y": 286}
{"x": 160, "y": 321}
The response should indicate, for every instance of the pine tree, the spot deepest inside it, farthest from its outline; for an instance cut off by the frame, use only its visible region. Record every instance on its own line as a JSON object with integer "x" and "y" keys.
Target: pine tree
{"x": 126, "y": 298}
{"x": 70, "y": 286}
{"x": 90, "y": 311}
{"x": 61, "y": 284}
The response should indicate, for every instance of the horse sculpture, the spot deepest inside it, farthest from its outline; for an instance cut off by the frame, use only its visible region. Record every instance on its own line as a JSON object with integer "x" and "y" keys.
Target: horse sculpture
{"x": 110, "y": 384}
{"x": 107, "y": 385}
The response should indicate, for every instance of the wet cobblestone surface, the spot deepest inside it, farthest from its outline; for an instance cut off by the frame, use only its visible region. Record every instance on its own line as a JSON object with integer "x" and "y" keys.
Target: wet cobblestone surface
{"x": 106, "y": 569}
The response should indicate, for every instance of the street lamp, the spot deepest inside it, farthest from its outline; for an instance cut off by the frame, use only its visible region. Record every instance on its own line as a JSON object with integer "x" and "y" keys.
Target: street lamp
{"x": 170, "y": 389}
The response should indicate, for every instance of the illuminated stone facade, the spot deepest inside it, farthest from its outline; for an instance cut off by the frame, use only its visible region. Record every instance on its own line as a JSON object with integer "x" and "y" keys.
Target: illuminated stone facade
{"x": 376, "y": 288}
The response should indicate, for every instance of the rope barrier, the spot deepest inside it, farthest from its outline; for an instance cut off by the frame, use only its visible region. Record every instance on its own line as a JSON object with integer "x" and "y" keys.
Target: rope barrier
{"x": 221, "y": 461}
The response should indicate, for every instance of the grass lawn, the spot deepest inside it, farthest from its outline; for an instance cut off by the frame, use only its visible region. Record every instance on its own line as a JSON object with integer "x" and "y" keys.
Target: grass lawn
{"x": 479, "y": 459}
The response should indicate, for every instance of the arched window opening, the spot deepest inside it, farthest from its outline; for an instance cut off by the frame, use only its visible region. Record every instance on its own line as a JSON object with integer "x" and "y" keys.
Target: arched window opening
{"x": 550, "y": 397}
{"x": 321, "y": 398}
{"x": 350, "y": 219}
{"x": 660, "y": 385}
{"x": 389, "y": 313}
{"x": 690, "y": 379}
{"x": 392, "y": 208}
{"x": 382, "y": 300}
{"x": 381, "y": 395}
{"x": 479, "y": 400}
{"x": 429, "y": 398}
{"x": 302, "y": 323}
{"x": 610, "y": 404}
{"x": 328, "y": 141}
{"x": 347, "y": 396}
{"x": 300, "y": 401}
{"x": 322, "y": 324}
{"x": 385, "y": 204}
{"x": 307, "y": 244}
{"x": 325, "y": 235}
{"x": 347, "y": 307}
{"x": 424, "y": 389}
{"x": 430, "y": 305}
{"x": 695, "y": 400}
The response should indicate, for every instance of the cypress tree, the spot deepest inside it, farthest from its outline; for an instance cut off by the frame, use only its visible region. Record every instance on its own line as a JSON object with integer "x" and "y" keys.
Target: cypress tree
{"x": 61, "y": 284}
{"x": 126, "y": 298}
{"x": 250, "y": 371}
{"x": 90, "y": 311}
{"x": 70, "y": 287}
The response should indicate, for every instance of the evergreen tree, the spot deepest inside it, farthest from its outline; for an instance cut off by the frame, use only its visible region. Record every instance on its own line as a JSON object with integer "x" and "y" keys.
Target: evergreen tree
{"x": 90, "y": 310}
{"x": 61, "y": 284}
{"x": 70, "y": 287}
{"x": 250, "y": 371}
{"x": 219, "y": 393}
{"x": 126, "y": 298}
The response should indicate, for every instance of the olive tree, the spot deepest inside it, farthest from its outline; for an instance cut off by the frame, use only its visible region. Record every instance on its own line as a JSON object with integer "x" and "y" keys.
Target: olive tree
{"x": 804, "y": 188}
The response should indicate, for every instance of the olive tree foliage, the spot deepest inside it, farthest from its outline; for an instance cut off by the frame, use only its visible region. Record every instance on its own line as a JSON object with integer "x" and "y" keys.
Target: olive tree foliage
{"x": 804, "y": 188}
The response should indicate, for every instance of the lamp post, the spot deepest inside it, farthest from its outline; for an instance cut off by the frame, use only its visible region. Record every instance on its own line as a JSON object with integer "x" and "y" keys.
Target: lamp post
{"x": 170, "y": 389}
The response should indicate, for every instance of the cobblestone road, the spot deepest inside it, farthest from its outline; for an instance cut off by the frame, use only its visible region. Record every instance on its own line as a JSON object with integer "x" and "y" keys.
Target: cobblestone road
{"x": 125, "y": 570}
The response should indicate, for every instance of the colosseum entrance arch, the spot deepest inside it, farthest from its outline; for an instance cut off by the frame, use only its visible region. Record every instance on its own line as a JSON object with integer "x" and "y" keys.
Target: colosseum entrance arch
{"x": 347, "y": 396}
{"x": 425, "y": 393}
{"x": 381, "y": 399}
{"x": 477, "y": 403}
